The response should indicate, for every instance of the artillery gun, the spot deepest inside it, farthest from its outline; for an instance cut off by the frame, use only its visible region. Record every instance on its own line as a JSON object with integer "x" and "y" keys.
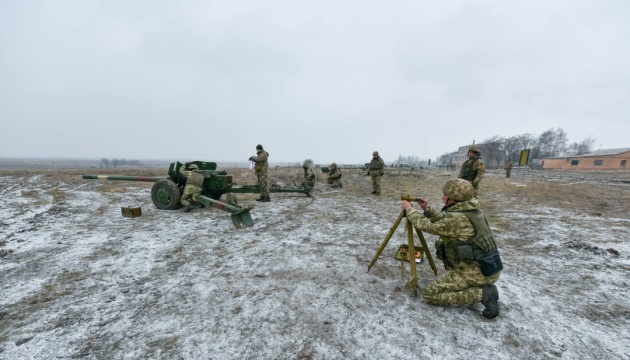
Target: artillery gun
{"x": 166, "y": 192}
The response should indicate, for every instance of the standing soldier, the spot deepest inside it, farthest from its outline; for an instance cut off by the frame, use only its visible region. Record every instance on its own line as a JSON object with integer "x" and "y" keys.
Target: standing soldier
{"x": 309, "y": 176}
{"x": 474, "y": 168}
{"x": 334, "y": 177}
{"x": 508, "y": 169}
{"x": 376, "y": 167}
{"x": 194, "y": 183}
{"x": 260, "y": 169}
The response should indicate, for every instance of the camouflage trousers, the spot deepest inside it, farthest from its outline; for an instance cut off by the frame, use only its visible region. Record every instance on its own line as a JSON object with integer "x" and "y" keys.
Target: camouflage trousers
{"x": 458, "y": 286}
{"x": 264, "y": 185}
{"x": 190, "y": 193}
{"x": 508, "y": 173}
{"x": 334, "y": 182}
{"x": 376, "y": 183}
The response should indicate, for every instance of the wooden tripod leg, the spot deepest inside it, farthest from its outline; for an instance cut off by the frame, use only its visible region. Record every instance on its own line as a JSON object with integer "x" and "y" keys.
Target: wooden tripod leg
{"x": 389, "y": 235}
{"x": 427, "y": 251}
{"x": 411, "y": 256}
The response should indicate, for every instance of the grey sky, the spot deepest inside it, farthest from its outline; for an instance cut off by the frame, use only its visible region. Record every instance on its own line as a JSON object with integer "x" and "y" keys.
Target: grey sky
{"x": 326, "y": 80}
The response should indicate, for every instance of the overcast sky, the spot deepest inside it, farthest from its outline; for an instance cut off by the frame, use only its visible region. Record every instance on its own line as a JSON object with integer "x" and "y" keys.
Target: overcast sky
{"x": 325, "y": 80}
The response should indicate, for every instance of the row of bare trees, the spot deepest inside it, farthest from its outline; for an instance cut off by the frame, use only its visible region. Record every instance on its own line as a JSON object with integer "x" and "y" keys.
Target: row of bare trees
{"x": 551, "y": 143}
{"x": 106, "y": 163}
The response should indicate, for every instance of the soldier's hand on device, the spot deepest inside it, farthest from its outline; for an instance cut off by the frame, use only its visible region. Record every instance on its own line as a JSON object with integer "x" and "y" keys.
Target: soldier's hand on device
{"x": 406, "y": 205}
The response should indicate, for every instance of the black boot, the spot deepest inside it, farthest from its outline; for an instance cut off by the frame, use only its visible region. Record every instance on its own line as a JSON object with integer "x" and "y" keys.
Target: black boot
{"x": 266, "y": 199}
{"x": 187, "y": 208}
{"x": 490, "y": 299}
{"x": 260, "y": 198}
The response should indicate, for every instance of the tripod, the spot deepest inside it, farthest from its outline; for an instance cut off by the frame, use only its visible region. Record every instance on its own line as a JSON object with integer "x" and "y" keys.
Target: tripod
{"x": 413, "y": 282}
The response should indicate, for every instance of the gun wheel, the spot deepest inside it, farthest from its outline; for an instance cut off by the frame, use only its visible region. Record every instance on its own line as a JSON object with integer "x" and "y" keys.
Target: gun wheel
{"x": 166, "y": 195}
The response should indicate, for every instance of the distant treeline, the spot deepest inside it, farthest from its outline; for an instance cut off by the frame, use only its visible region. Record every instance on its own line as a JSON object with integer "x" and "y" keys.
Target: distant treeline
{"x": 106, "y": 163}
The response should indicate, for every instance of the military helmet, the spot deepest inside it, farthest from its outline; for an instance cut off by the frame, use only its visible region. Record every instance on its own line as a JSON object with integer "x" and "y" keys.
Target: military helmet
{"x": 193, "y": 167}
{"x": 375, "y": 153}
{"x": 333, "y": 165}
{"x": 259, "y": 147}
{"x": 305, "y": 165}
{"x": 475, "y": 148}
{"x": 458, "y": 190}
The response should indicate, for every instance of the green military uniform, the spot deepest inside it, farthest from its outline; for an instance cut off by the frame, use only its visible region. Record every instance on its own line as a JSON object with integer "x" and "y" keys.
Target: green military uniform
{"x": 376, "y": 167}
{"x": 473, "y": 169}
{"x": 309, "y": 177}
{"x": 464, "y": 237}
{"x": 194, "y": 184}
{"x": 334, "y": 177}
{"x": 260, "y": 169}
{"x": 508, "y": 169}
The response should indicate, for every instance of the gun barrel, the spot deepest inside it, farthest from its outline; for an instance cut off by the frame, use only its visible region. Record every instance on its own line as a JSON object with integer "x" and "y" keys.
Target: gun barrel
{"x": 124, "y": 178}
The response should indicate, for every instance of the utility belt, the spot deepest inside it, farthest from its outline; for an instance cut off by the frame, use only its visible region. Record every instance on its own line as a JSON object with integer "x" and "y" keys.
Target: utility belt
{"x": 489, "y": 262}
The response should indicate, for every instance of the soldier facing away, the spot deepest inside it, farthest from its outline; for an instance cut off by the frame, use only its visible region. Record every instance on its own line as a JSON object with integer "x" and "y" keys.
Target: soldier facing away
{"x": 334, "y": 176}
{"x": 508, "y": 169}
{"x": 376, "y": 167}
{"x": 194, "y": 184}
{"x": 474, "y": 168}
{"x": 466, "y": 246}
{"x": 309, "y": 176}
{"x": 261, "y": 166}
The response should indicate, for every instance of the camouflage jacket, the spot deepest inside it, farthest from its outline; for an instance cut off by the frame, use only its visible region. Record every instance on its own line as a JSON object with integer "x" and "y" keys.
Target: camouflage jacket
{"x": 309, "y": 176}
{"x": 473, "y": 170}
{"x": 261, "y": 161}
{"x": 334, "y": 173}
{"x": 379, "y": 171}
{"x": 192, "y": 177}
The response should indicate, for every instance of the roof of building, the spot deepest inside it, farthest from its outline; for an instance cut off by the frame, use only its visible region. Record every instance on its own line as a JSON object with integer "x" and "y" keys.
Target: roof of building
{"x": 600, "y": 152}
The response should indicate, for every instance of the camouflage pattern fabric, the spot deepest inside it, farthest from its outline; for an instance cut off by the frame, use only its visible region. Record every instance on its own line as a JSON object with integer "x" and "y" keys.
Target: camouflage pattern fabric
{"x": 190, "y": 194}
{"x": 463, "y": 281}
{"x": 508, "y": 169}
{"x": 192, "y": 177}
{"x": 309, "y": 178}
{"x": 334, "y": 177}
{"x": 459, "y": 286}
{"x": 261, "y": 160}
{"x": 473, "y": 170}
{"x": 376, "y": 175}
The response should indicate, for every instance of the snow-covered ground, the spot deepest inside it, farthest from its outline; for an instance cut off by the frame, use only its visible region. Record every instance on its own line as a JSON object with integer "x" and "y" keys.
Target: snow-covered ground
{"x": 78, "y": 280}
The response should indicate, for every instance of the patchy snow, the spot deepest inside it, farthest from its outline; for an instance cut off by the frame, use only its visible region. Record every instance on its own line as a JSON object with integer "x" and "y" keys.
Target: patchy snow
{"x": 80, "y": 280}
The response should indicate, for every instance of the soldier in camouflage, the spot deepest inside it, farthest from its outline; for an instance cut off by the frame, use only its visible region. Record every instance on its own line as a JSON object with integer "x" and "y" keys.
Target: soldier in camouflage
{"x": 464, "y": 238}
{"x": 334, "y": 176}
{"x": 194, "y": 184}
{"x": 508, "y": 169}
{"x": 375, "y": 170}
{"x": 309, "y": 176}
{"x": 474, "y": 168}
{"x": 260, "y": 169}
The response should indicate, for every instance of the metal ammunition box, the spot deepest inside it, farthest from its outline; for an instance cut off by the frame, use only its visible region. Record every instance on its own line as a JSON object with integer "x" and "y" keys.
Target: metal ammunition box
{"x": 131, "y": 211}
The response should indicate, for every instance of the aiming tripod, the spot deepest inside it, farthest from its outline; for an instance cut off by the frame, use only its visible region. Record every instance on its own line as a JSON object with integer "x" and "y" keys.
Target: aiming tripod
{"x": 413, "y": 282}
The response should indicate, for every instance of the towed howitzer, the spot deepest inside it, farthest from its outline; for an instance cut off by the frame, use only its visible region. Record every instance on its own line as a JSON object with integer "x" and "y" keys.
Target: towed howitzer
{"x": 167, "y": 191}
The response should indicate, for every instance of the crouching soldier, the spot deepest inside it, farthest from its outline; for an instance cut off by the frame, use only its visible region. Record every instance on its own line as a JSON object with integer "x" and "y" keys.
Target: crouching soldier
{"x": 466, "y": 246}
{"x": 194, "y": 184}
{"x": 334, "y": 176}
{"x": 309, "y": 177}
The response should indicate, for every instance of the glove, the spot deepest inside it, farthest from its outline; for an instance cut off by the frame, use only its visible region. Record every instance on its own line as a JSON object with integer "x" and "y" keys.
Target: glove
{"x": 439, "y": 250}
{"x": 250, "y": 158}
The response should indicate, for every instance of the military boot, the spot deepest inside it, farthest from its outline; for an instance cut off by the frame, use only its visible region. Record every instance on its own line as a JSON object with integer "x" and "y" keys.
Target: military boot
{"x": 260, "y": 198}
{"x": 265, "y": 199}
{"x": 490, "y": 299}
{"x": 188, "y": 208}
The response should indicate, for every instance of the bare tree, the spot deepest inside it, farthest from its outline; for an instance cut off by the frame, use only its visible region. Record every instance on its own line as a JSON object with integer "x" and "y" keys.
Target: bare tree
{"x": 513, "y": 146}
{"x": 551, "y": 143}
{"x": 104, "y": 163}
{"x": 492, "y": 150}
{"x": 581, "y": 148}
